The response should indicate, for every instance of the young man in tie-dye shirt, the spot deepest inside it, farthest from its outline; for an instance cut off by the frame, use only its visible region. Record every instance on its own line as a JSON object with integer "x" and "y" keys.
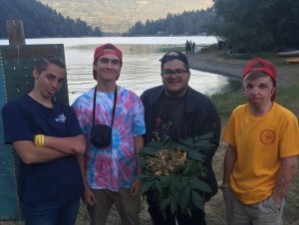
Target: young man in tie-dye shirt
{"x": 110, "y": 173}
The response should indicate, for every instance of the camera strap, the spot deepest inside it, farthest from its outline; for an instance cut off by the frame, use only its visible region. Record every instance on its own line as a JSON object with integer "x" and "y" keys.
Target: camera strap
{"x": 94, "y": 105}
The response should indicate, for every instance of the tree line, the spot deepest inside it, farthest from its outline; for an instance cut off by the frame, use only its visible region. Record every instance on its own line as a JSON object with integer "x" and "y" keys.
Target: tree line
{"x": 42, "y": 21}
{"x": 187, "y": 23}
{"x": 244, "y": 25}
{"x": 258, "y": 25}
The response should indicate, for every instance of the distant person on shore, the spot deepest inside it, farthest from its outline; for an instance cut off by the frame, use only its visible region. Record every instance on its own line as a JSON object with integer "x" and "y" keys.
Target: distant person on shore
{"x": 193, "y": 47}
{"x": 263, "y": 145}
{"x": 47, "y": 138}
{"x": 190, "y": 114}
{"x": 187, "y": 46}
{"x": 112, "y": 119}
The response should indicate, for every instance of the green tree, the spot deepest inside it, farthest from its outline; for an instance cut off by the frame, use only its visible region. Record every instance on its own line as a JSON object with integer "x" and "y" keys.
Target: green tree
{"x": 194, "y": 22}
{"x": 256, "y": 25}
{"x": 42, "y": 21}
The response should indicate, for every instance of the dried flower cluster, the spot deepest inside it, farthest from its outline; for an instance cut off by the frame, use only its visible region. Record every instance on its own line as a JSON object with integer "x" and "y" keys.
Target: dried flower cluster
{"x": 175, "y": 173}
{"x": 167, "y": 161}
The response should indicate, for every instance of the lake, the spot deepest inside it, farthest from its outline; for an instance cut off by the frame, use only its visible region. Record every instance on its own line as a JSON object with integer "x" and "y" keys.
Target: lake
{"x": 141, "y": 66}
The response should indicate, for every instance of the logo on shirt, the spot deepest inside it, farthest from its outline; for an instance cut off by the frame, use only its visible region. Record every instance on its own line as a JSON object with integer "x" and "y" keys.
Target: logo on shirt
{"x": 60, "y": 118}
{"x": 267, "y": 137}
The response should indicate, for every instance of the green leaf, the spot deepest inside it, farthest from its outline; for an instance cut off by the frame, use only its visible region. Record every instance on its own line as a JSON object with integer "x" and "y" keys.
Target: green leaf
{"x": 146, "y": 186}
{"x": 148, "y": 150}
{"x": 164, "y": 203}
{"x": 204, "y": 137}
{"x": 172, "y": 184}
{"x": 187, "y": 141}
{"x": 200, "y": 185}
{"x": 185, "y": 196}
{"x": 191, "y": 141}
{"x": 193, "y": 168}
{"x": 173, "y": 206}
{"x": 198, "y": 200}
{"x": 203, "y": 144}
{"x": 164, "y": 181}
{"x": 196, "y": 155}
{"x": 158, "y": 187}
{"x": 145, "y": 177}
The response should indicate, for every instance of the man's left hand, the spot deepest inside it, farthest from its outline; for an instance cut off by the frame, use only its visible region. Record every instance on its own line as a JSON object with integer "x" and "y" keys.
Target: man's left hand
{"x": 134, "y": 190}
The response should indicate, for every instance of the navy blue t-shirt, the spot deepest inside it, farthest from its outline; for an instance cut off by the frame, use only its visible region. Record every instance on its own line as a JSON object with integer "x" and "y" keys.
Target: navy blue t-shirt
{"x": 54, "y": 181}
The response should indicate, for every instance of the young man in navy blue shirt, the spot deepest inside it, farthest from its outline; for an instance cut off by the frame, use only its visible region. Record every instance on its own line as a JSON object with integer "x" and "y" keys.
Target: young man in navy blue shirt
{"x": 47, "y": 138}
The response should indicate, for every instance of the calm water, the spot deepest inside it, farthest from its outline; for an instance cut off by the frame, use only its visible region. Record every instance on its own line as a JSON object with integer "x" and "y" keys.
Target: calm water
{"x": 141, "y": 66}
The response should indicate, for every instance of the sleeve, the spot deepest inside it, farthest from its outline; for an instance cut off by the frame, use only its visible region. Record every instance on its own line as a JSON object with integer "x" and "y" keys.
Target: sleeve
{"x": 211, "y": 123}
{"x": 138, "y": 118}
{"x": 76, "y": 106}
{"x": 15, "y": 124}
{"x": 214, "y": 124}
{"x": 81, "y": 107}
{"x": 228, "y": 134}
{"x": 288, "y": 138}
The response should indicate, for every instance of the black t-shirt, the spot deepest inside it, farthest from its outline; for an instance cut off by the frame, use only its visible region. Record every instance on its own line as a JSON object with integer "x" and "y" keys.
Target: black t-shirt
{"x": 171, "y": 112}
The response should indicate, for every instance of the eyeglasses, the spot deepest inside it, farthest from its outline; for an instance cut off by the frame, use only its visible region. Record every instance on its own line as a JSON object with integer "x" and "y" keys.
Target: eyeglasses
{"x": 178, "y": 72}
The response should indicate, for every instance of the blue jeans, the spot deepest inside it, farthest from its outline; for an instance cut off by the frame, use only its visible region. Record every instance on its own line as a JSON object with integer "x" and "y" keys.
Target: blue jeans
{"x": 64, "y": 213}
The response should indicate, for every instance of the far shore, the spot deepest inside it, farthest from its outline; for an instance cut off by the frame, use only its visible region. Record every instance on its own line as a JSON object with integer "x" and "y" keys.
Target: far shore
{"x": 218, "y": 62}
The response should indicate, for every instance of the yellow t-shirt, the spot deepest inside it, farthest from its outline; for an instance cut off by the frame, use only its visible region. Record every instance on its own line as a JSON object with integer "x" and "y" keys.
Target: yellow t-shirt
{"x": 260, "y": 142}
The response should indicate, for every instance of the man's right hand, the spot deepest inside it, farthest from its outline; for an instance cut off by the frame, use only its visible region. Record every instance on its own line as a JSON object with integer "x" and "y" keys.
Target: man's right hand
{"x": 88, "y": 197}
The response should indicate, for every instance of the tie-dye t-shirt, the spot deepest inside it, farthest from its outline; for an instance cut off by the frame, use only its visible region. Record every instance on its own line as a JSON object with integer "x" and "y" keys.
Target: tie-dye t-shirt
{"x": 115, "y": 166}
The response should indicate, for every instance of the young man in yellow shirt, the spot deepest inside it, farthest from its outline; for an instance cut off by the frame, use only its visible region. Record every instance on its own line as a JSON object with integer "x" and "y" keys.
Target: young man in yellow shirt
{"x": 261, "y": 159}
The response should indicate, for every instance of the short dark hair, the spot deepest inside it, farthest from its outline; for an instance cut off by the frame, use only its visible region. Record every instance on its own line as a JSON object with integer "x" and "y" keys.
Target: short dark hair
{"x": 43, "y": 63}
{"x": 172, "y": 55}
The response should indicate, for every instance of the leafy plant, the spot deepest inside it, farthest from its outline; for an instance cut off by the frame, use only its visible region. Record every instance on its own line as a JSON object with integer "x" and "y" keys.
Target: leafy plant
{"x": 174, "y": 172}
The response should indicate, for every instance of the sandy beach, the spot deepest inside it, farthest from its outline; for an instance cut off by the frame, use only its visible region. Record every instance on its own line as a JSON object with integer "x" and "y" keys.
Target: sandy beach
{"x": 218, "y": 62}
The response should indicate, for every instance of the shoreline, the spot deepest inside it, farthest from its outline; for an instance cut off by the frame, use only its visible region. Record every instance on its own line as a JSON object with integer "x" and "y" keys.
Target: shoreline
{"x": 216, "y": 61}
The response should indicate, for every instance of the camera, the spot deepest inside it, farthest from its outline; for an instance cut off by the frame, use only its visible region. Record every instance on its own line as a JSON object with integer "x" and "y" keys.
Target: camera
{"x": 101, "y": 135}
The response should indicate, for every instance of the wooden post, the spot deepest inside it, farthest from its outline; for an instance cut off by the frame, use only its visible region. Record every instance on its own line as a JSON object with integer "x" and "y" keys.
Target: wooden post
{"x": 15, "y": 32}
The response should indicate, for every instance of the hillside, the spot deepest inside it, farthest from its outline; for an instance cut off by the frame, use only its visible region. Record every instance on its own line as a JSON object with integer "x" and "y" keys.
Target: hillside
{"x": 42, "y": 21}
{"x": 118, "y": 16}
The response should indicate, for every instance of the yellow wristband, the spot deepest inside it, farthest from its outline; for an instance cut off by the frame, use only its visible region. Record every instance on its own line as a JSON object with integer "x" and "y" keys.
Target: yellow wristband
{"x": 36, "y": 140}
{"x": 39, "y": 140}
{"x": 42, "y": 140}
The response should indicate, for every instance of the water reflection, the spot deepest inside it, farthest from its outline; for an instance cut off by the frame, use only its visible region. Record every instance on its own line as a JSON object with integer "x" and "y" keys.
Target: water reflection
{"x": 141, "y": 70}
